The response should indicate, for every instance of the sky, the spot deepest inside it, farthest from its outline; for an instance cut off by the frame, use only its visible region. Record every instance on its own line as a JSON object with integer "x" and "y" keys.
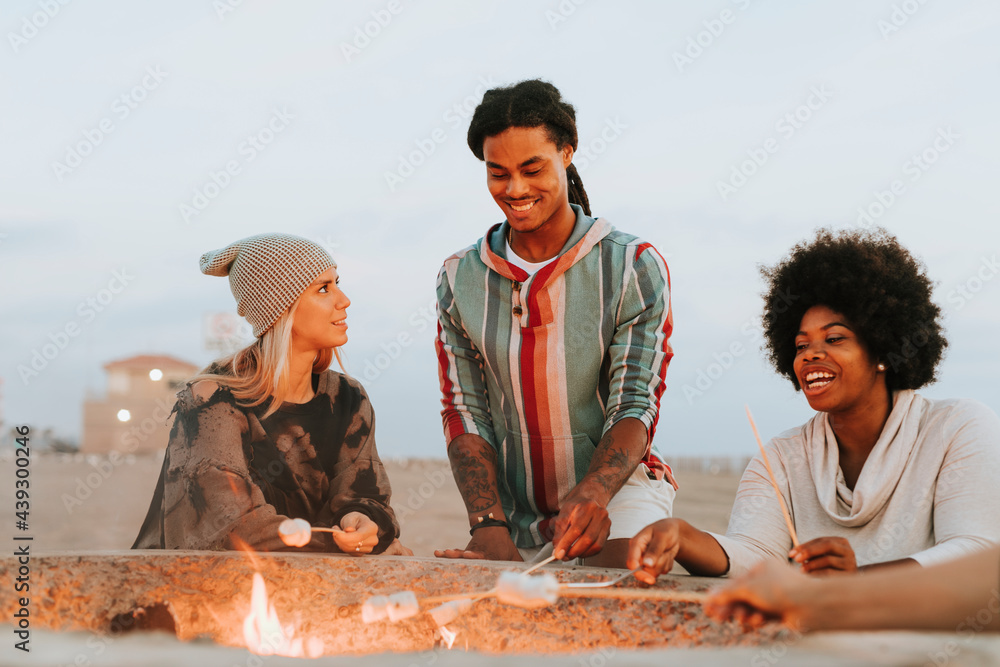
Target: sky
{"x": 137, "y": 136}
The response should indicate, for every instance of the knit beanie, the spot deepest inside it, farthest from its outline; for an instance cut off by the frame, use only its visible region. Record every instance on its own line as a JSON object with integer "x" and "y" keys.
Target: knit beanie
{"x": 267, "y": 273}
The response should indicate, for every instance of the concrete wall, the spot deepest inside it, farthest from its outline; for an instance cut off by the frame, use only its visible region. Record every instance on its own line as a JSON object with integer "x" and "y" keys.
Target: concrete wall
{"x": 148, "y": 401}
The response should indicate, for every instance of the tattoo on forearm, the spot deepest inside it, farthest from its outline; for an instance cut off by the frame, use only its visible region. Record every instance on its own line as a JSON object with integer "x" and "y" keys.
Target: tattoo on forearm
{"x": 472, "y": 474}
{"x": 611, "y": 465}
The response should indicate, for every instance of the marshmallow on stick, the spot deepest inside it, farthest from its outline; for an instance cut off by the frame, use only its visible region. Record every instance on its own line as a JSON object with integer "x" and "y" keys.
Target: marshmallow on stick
{"x": 395, "y": 607}
{"x": 298, "y": 532}
{"x": 402, "y": 605}
{"x": 528, "y": 592}
{"x": 449, "y": 611}
{"x": 295, "y": 532}
{"x": 375, "y": 609}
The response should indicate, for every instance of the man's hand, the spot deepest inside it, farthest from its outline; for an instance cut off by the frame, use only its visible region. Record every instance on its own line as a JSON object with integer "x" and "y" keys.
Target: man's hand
{"x": 825, "y": 555}
{"x": 582, "y": 526}
{"x": 490, "y": 543}
{"x": 581, "y": 529}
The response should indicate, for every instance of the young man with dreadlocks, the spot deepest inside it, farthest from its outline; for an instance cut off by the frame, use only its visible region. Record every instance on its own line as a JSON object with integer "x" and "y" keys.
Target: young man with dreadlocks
{"x": 553, "y": 345}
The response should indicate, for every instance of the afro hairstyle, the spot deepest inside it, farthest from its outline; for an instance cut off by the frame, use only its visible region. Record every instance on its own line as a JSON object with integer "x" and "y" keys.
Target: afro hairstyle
{"x": 876, "y": 284}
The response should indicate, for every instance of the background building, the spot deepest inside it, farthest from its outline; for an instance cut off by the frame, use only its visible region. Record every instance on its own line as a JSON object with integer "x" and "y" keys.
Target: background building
{"x": 132, "y": 417}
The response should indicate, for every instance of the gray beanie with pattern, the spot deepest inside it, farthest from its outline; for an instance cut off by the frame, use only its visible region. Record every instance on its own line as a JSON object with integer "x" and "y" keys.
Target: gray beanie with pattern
{"x": 267, "y": 273}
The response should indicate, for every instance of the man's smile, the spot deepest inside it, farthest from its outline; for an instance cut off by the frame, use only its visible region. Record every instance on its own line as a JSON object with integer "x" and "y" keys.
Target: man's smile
{"x": 521, "y": 208}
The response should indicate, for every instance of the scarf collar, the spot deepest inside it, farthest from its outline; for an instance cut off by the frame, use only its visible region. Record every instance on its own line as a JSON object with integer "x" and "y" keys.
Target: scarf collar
{"x": 882, "y": 470}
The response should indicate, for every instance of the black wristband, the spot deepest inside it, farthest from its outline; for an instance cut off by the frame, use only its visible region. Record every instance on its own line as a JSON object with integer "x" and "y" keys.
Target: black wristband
{"x": 488, "y": 521}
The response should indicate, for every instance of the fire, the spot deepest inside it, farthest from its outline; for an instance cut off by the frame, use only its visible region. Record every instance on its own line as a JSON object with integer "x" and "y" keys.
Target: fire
{"x": 448, "y": 636}
{"x": 264, "y": 634}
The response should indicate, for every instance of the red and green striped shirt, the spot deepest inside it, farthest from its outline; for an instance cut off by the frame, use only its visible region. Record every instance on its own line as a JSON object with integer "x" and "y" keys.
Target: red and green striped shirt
{"x": 542, "y": 366}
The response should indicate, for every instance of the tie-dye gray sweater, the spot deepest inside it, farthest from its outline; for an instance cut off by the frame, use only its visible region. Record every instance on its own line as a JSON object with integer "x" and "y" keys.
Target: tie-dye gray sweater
{"x": 229, "y": 478}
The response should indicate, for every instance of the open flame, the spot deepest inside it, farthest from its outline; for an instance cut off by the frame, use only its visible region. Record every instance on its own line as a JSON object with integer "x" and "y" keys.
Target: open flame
{"x": 448, "y": 636}
{"x": 264, "y": 634}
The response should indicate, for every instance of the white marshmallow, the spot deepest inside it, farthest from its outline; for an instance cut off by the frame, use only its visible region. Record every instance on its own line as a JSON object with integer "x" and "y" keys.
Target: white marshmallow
{"x": 449, "y": 611}
{"x": 529, "y": 592}
{"x": 295, "y": 532}
{"x": 403, "y": 605}
{"x": 375, "y": 609}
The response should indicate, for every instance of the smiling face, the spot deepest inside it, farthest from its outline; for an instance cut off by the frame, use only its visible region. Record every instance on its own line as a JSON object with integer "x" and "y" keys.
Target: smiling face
{"x": 320, "y": 320}
{"x": 526, "y": 174}
{"x": 832, "y": 365}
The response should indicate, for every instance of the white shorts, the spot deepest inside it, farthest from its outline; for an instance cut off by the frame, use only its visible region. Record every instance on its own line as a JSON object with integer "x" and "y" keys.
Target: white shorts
{"x": 640, "y": 502}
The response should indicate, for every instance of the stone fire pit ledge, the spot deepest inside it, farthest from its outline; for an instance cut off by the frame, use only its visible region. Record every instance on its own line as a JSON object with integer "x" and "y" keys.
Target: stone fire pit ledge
{"x": 208, "y": 595}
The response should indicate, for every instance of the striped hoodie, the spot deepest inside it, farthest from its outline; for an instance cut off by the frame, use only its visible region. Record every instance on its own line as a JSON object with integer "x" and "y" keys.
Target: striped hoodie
{"x": 542, "y": 366}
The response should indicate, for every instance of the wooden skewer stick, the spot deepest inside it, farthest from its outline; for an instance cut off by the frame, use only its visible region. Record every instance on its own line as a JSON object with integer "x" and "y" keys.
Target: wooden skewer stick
{"x": 441, "y": 599}
{"x": 774, "y": 482}
{"x": 564, "y": 592}
{"x": 539, "y": 564}
{"x": 634, "y": 594}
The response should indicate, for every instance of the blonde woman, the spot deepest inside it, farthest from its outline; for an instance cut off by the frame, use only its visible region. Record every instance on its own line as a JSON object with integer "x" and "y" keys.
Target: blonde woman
{"x": 270, "y": 433}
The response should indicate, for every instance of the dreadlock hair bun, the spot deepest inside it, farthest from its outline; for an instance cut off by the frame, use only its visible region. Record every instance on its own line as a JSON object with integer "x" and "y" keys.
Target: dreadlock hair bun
{"x": 533, "y": 103}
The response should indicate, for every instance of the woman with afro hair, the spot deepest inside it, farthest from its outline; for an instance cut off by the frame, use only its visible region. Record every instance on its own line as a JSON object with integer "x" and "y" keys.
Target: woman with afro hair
{"x": 880, "y": 475}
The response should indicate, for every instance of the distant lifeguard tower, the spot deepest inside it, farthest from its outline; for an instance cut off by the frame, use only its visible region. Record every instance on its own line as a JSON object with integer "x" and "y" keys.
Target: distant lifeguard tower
{"x": 132, "y": 417}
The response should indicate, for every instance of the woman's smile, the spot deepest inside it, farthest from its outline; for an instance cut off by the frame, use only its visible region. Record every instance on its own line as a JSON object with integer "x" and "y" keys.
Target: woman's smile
{"x": 833, "y": 368}
{"x": 815, "y": 381}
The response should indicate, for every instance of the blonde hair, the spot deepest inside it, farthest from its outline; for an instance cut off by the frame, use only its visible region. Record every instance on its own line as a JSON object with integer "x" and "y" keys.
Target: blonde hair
{"x": 260, "y": 370}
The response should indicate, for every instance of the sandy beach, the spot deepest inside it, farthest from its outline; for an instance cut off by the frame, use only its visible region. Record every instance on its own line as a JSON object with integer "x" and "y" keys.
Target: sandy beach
{"x": 90, "y": 504}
